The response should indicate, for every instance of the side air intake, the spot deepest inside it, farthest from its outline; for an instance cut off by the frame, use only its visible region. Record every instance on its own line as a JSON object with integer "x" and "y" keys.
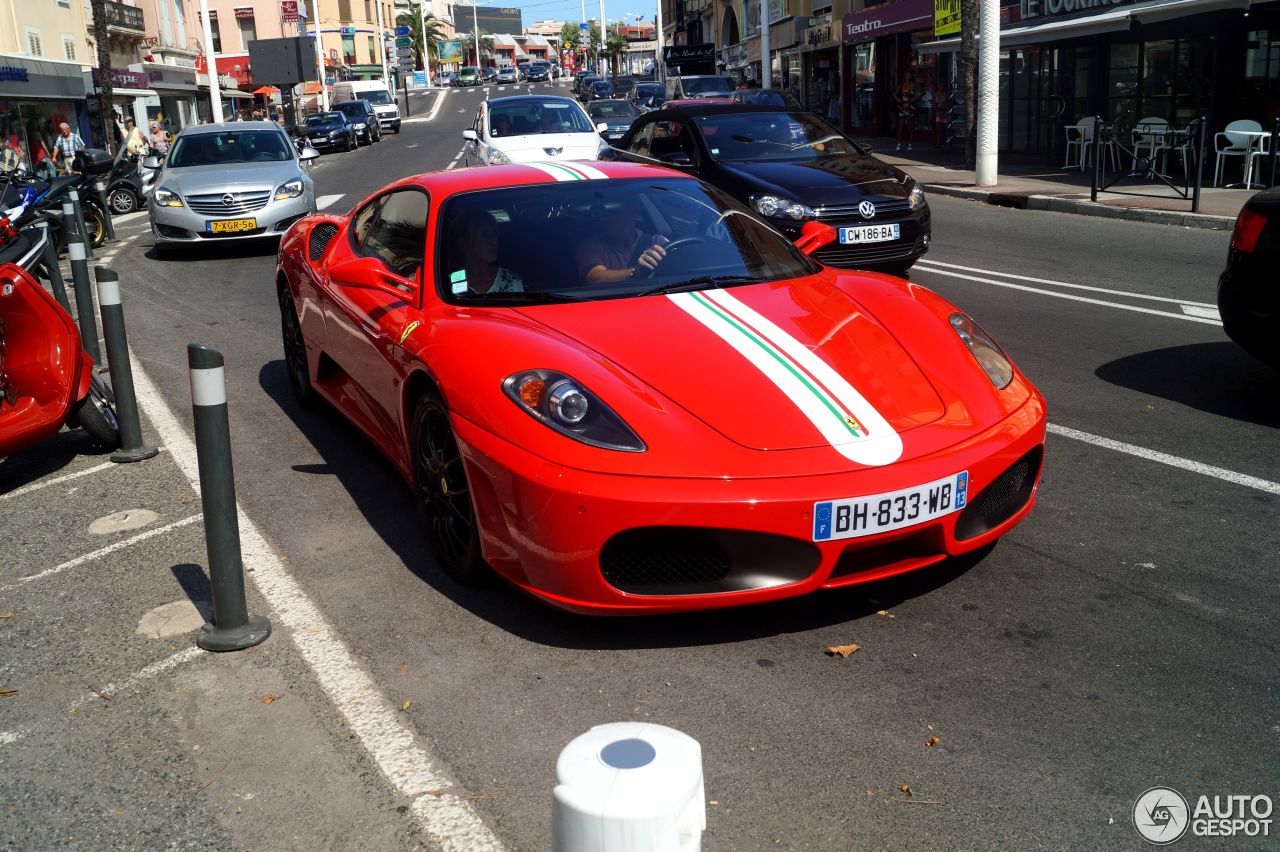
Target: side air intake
{"x": 319, "y": 239}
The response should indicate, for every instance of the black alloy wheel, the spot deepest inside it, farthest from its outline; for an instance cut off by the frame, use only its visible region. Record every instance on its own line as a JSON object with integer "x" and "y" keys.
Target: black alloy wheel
{"x": 295, "y": 353}
{"x": 442, "y": 493}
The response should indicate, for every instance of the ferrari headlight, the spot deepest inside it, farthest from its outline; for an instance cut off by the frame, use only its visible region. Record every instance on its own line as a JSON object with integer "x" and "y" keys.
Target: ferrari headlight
{"x": 563, "y": 404}
{"x": 165, "y": 198}
{"x": 780, "y": 208}
{"x": 916, "y": 198}
{"x": 497, "y": 158}
{"x": 985, "y": 350}
{"x": 292, "y": 189}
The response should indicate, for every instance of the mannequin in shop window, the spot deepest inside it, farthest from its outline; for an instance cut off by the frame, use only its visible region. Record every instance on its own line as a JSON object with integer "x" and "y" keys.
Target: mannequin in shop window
{"x": 908, "y": 101}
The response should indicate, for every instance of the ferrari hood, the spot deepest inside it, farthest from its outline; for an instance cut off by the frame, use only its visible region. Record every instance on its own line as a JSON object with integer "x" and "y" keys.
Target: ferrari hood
{"x": 770, "y": 367}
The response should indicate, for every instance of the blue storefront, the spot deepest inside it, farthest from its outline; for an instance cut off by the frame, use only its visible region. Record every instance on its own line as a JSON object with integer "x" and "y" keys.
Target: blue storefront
{"x": 37, "y": 95}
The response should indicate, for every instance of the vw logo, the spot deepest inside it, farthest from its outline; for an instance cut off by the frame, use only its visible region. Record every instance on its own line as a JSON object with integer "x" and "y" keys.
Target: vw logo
{"x": 229, "y": 199}
{"x": 553, "y": 152}
{"x": 867, "y": 210}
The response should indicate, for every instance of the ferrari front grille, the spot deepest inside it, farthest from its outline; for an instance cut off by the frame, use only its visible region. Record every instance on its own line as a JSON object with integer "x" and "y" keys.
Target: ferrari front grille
{"x": 1002, "y": 499}
{"x": 698, "y": 561}
{"x": 319, "y": 239}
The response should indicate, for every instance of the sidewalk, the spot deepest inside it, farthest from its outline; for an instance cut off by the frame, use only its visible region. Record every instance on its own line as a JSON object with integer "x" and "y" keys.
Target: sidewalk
{"x": 1031, "y": 185}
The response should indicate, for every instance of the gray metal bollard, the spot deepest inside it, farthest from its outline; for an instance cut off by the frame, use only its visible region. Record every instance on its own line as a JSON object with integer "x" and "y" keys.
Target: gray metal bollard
{"x": 131, "y": 447}
{"x": 232, "y": 627}
{"x": 80, "y": 281}
{"x": 100, "y": 189}
{"x": 74, "y": 195}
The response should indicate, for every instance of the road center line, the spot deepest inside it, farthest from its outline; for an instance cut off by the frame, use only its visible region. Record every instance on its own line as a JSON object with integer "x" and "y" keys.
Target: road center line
{"x": 1164, "y": 458}
{"x": 45, "y": 483}
{"x": 1085, "y": 299}
{"x": 932, "y": 263}
{"x": 101, "y": 552}
{"x": 450, "y": 821}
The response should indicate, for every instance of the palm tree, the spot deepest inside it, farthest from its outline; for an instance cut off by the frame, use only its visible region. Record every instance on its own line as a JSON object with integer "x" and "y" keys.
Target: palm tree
{"x": 615, "y": 47}
{"x": 486, "y": 44}
{"x": 413, "y": 21}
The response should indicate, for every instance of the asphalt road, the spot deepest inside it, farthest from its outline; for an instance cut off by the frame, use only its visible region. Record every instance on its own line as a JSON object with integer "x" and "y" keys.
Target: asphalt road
{"x": 1123, "y": 637}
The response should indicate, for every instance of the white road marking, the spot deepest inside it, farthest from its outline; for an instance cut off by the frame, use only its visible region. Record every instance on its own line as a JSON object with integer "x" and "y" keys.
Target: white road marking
{"x": 414, "y": 145}
{"x": 1164, "y": 458}
{"x": 325, "y": 201}
{"x": 1058, "y": 295}
{"x": 101, "y": 552}
{"x": 931, "y": 263}
{"x": 450, "y": 821}
{"x": 9, "y": 737}
{"x": 156, "y": 668}
{"x": 45, "y": 483}
{"x": 1198, "y": 311}
{"x": 128, "y": 217}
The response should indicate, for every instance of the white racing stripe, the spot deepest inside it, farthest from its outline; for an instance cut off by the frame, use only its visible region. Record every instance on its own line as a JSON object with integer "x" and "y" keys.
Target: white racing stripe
{"x": 449, "y": 821}
{"x": 1231, "y": 476}
{"x": 1118, "y": 305}
{"x": 841, "y": 415}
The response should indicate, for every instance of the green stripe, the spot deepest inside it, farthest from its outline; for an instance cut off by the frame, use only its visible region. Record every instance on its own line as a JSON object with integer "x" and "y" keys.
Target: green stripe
{"x": 816, "y": 391}
{"x": 572, "y": 173}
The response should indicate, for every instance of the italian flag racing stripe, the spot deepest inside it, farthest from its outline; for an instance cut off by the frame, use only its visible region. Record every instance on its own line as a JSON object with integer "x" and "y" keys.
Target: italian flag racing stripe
{"x": 567, "y": 172}
{"x": 841, "y": 415}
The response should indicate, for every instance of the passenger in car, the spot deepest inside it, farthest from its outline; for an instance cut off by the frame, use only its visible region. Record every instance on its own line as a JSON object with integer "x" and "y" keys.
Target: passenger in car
{"x": 475, "y": 250}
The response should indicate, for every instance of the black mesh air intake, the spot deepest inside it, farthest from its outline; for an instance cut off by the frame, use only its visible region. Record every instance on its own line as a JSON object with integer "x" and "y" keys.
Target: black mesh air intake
{"x": 1002, "y": 499}
{"x": 320, "y": 236}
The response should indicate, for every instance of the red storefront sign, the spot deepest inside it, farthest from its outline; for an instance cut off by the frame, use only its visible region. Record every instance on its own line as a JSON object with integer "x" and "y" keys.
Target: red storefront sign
{"x": 289, "y": 11}
{"x": 244, "y": 12}
{"x": 899, "y": 16}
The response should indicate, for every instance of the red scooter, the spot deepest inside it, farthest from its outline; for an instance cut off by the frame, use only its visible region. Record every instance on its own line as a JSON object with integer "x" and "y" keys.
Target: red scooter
{"x": 46, "y": 378}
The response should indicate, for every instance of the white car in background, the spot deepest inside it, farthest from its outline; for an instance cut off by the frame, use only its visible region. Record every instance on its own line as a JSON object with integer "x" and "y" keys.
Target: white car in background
{"x": 528, "y": 128}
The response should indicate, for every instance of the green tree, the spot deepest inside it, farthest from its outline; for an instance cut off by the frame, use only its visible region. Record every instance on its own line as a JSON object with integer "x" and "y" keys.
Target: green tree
{"x": 593, "y": 46}
{"x": 615, "y": 46}
{"x": 569, "y": 36}
{"x": 486, "y": 45}
{"x": 433, "y": 34}
{"x": 104, "y": 73}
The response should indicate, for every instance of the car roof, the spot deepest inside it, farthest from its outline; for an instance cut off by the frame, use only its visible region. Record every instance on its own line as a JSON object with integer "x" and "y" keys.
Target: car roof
{"x": 693, "y": 108}
{"x": 450, "y": 182}
{"x": 192, "y": 130}
{"x": 538, "y": 98}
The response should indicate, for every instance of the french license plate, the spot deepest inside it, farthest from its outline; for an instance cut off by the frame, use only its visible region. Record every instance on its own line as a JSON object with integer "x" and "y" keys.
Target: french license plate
{"x": 869, "y": 234}
{"x": 854, "y": 517}
{"x": 231, "y": 226}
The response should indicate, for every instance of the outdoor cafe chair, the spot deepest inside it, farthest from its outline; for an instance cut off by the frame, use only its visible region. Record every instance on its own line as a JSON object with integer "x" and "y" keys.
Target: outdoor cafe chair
{"x": 1149, "y": 136}
{"x": 1080, "y": 140}
{"x": 1243, "y": 138}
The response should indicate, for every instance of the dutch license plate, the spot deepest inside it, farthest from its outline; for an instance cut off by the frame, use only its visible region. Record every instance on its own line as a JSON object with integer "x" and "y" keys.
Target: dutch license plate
{"x": 869, "y": 234}
{"x": 854, "y": 517}
{"x": 231, "y": 226}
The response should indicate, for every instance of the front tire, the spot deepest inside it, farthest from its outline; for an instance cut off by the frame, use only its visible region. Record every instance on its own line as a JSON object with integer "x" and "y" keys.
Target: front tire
{"x": 442, "y": 493}
{"x": 295, "y": 353}
{"x": 122, "y": 201}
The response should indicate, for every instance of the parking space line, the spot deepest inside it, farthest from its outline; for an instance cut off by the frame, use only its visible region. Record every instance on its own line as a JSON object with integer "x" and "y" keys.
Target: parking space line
{"x": 45, "y": 483}
{"x": 448, "y": 820}
{"x": 159, "y": 667}
{"x": 1165, "y": 458}
{"x": 9, "y": 737}
{"x": 101, "y": 552}
{"x": 1074, "y": 298}
{"x": 929, "y": 262}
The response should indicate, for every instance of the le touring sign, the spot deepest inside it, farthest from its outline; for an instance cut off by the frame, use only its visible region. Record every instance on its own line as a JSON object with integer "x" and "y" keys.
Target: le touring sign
{"x": 1053, "y": 8}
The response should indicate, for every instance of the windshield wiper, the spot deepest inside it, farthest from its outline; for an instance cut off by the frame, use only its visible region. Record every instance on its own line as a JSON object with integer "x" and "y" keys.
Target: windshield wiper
{"x": 518, "y": 297}
{"x": 700, "y": 283}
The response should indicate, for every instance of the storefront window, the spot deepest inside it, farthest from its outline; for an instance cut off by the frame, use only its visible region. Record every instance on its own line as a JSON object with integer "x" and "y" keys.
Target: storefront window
{"x": 216, "y": 34}
{"x": 1157, "y": 79}
{"x": 349, "y": 50}
{"x": 864, "y": 85}
{"x": 248, "y": 32}
{"x": 29, "y": 128}
{"x": 1261, "y": 74}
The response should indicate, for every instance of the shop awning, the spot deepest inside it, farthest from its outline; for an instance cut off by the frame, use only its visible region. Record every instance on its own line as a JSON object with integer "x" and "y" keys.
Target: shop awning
{"x": 1116, "y": 20}
{"x": 266, "y": 90}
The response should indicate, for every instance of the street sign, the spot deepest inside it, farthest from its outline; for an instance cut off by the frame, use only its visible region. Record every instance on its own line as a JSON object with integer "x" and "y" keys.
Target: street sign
{"x": 403, "y": 41}
{"x": 402, "y": 31}
{"x": 405, "y": 53}
{"x": 584, "y": 26}
{"x": 348, "y": 31}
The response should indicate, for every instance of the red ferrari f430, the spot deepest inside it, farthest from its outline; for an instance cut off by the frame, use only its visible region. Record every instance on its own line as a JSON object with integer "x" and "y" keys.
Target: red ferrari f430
{"x": 618, "y": 389}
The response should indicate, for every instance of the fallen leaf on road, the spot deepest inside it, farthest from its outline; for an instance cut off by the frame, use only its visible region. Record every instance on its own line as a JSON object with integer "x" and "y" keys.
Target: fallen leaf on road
{"x": 98, "y": 692}
{"x": 930, "y": 727}
{"x": 843, "y": 650}
{"x": 404, "y": 670}
{"x": 8, "y": 614}
{"x": 5, "y": 693}
{"x": 315, "y": 630}
{"x": 268, "y": 698}
{"x": 284, "y": 558}
{"x": 932, "y": 742}
{"x": 904, "y": 788}
{"x": 119, "y": 812}
{"x": 191, "y": 724}
{"x": 436, "y": 793}
{"x": 713, "y": 802}
{"x": 407, "y": 704}
{"x": 885, "y": 613}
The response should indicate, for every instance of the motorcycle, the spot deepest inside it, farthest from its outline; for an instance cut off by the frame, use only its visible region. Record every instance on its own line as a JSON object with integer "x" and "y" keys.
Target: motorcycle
{"x": 127, "y": 189}
{"x": 47, "y": 380}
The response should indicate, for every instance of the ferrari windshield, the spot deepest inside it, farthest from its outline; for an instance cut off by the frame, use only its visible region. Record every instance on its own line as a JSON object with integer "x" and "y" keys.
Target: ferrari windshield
{"x": 782, "y": 135}
{"x": 587, "y": 240}
{"x": 229, "y": 147}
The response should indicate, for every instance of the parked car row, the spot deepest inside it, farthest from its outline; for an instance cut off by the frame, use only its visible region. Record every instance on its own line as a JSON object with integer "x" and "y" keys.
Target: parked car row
{"x": 345, "y": 127}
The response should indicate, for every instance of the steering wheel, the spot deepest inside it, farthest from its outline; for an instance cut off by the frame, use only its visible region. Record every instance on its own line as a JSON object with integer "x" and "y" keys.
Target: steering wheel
{"x": 669, "y": 248}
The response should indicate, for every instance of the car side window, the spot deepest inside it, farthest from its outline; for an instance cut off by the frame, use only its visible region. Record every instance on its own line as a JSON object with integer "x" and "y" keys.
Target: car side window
{"x": 643, "y": 139}
{"x": 398, "y": 236}
{"x": 362, "y": 221}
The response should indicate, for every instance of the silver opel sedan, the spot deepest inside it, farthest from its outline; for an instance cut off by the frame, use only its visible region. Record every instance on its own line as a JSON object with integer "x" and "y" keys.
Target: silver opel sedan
{"x": 233, "y": 181}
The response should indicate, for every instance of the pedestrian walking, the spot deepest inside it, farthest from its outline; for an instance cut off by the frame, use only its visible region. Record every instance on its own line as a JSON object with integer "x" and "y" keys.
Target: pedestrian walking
{"x": 134, "y": 140}
{"x": 159, "y": 139}
{"x": 66, "y": 146}
{"x": 908, "y": 101}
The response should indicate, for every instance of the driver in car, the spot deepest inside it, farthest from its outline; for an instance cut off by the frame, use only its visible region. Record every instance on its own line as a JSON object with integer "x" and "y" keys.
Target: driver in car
{"x": 621, "y": 249}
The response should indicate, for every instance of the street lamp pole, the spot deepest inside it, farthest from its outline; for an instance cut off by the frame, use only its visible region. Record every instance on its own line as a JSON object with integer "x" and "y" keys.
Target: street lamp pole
{"x": 426, "y": 48}
{"x": 766, "y": 60}
{"x": 382, "y": 45}
{"x": 211, "y": 64}
{"x": 475, "y": 23}
{"x": 603, "y": 36}
{"x": 660, "y": 67}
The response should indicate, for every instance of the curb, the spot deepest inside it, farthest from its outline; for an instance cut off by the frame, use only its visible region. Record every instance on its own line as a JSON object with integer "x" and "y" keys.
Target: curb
{"x": 1055, "y": 204}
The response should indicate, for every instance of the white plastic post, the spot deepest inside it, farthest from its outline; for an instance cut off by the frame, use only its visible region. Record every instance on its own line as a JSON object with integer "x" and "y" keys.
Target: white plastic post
{"x": 988, "y": 94}
{"x": 631, "y": 786}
